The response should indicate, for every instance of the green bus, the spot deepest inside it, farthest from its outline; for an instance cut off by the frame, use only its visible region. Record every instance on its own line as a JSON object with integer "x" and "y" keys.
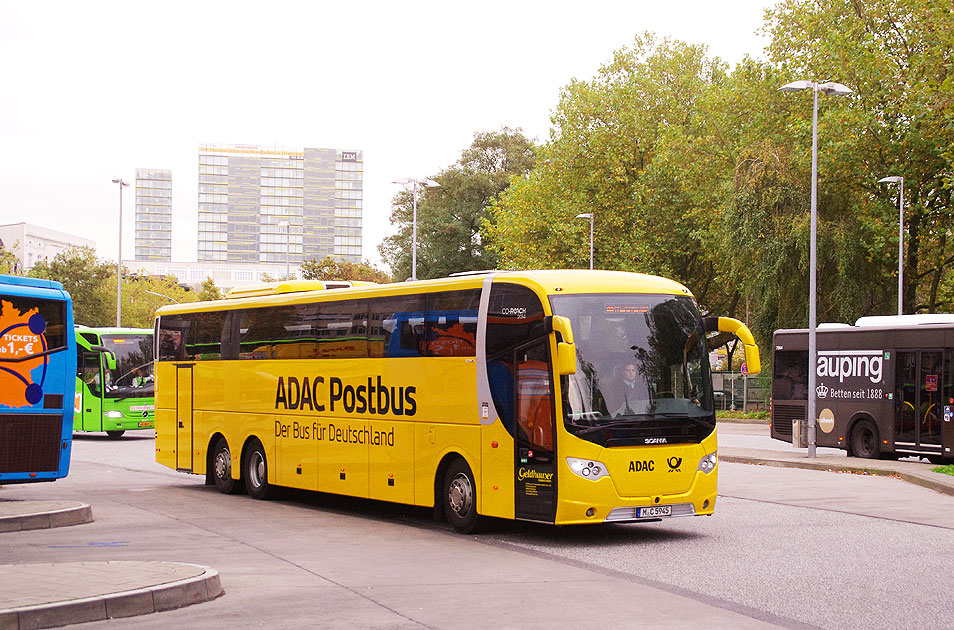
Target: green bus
{"x": 115, "y": 390}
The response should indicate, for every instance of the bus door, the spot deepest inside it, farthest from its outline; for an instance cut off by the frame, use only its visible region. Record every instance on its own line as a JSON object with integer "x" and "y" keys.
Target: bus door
{"x": 947, "y": 399}
{"x": 918, "y": 387}
{"x": 184, "y": 417}
{"x": 88, "y": 412}
{"x": 535, "y": 467}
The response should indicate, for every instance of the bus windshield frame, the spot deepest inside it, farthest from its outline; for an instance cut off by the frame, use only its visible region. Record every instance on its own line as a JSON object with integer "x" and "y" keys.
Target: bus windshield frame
{"x": 642, "y": 370}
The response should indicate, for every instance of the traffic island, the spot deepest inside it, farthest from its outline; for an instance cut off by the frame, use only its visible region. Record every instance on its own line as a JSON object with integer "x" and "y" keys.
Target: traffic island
{"x": 18, "y": 516}
{"x": 60, "y": 594}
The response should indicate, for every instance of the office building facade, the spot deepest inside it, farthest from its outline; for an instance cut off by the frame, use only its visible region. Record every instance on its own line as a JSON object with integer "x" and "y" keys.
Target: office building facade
{"x": 278, "y": 205}
{"x": 153, "y": 214}
{"x": 32, "y": 243}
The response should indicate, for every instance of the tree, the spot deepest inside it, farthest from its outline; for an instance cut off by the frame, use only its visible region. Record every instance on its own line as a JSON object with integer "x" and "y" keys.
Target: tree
{"x": 143, "y": 295}
{"x": 331, "y": 269}
{"x": 209, "y": 291}
{"x": 87, "y": 280}
{"x": 450, "y": 218}
{"x": 627, "y": 146}
{"x": 898, "y": 55}
{"x": 9, "y": 261}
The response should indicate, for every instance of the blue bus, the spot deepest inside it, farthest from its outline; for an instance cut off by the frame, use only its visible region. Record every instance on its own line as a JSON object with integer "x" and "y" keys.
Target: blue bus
{"x": 37, "y": 380}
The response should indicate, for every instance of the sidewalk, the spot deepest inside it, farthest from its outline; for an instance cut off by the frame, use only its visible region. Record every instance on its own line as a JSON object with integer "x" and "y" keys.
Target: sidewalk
{"x": 52, "y": 595}
{"x": 919, "y": 473}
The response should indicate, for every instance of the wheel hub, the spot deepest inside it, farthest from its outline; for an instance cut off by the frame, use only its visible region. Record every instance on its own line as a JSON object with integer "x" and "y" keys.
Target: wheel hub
{"x": 223, "y": 465}
{"x": 460, "y": 495}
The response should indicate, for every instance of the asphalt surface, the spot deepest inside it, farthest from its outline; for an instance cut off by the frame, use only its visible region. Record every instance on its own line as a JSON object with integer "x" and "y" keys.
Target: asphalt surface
{"x": 505, "y": 567}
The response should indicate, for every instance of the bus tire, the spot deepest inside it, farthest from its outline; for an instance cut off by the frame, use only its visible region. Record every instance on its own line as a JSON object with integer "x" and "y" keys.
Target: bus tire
{"x": 222, "y": 467}
{"x": 115, "y": 435}
{"x": 460, "y": 498}
{"x": 255, "y": 471}
{"x": 864, "y": 440}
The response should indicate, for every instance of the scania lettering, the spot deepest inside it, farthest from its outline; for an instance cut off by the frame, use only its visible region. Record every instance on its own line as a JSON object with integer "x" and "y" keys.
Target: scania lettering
{"x": 483, "y": 395}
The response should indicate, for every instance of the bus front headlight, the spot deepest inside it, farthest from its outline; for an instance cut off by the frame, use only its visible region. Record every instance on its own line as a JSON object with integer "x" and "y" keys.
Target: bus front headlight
{"x": 114, "y": 414}
{"x": 587, "y": 468}
{"x": 708, "y": 463}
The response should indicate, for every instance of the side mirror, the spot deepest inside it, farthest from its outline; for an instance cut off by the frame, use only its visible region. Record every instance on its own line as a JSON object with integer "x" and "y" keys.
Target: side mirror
{"x": 109, "y": 354}
{"x": 740, "y": 330}
{"x": 566, "y": 349}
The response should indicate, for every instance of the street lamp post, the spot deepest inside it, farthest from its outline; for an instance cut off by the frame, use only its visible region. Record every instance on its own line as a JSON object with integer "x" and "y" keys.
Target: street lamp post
{"x": 287, "y": 226}
{"x": 119, "y": 256}
{"x": 415, "y": 183}
{"x": 835, "y": 89}
{"x": 897, "y": 179}
{"x": 588, "y": 215}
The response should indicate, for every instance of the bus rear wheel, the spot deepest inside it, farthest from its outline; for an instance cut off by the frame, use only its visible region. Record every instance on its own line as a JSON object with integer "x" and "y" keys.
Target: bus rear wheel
{"x": 460, "y": 498}
{"x": 222, "y": 467}
{"x": 255, "y": 471}
{"x": 864, "y": 440}
{"x": 115, "y": 435}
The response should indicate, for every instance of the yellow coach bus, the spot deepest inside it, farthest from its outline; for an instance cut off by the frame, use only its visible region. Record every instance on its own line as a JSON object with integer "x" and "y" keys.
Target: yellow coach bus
{"x": 561, "y": 397}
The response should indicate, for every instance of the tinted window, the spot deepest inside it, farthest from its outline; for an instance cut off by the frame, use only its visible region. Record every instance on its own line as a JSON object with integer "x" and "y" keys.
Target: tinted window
{"x": 790, "y": 375}
{"x": 46, "y": 318}
{"x": 451, "y": 323}
{"x": 515, "y": 316}
{"x": 397, "y": 326}
{"x": 343, "y": 329}
{"x": 282, "y": 332}
{"x": 192, "y": 337}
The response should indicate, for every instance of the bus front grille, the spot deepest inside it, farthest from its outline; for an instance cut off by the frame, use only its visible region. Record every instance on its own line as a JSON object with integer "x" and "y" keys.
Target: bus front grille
{"x": 30, "y": 442}
{"x": 784, "y": 415}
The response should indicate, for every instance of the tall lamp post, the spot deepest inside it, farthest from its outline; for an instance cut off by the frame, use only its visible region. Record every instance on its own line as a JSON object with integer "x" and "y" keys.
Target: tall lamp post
{"x": 588, "y": 215}
{"x": 119, "y": 261}
{"x": 415, "y": 183}
{"x": 287, "y": 226}
{"x": 897, "y": 179}
{"x": 835, "y": 89}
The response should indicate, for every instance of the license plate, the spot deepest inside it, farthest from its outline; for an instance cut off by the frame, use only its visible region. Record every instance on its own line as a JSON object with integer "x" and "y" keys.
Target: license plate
{"x": 656, "y": 510}
{"x": 145, "y": 425}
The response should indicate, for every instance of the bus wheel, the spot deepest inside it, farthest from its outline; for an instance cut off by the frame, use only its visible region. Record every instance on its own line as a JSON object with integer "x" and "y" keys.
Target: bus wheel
{"x": 222, "y": 467}
{"x": 460, "y": 498}
{"x": 114, "y": 435}
{"x": 256, "y": 471}
{"x": 864, "y": 440}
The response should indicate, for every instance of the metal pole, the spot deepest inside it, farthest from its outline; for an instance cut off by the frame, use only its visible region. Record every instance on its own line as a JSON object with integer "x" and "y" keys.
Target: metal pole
{"x": 288, "y": 251}
{"x": 119, "y": 261}
{"x": 901, "y": 249}
{"x": 414, "y": 237}
{"x": 591, "y": 240}
{"x": 812, "y": 354}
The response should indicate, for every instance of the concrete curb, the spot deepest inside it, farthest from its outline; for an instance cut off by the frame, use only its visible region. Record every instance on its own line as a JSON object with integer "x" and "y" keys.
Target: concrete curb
{"x": 910, "y": 477}
{"x": 142, "y": 601}
{"x": 44, "y": 515}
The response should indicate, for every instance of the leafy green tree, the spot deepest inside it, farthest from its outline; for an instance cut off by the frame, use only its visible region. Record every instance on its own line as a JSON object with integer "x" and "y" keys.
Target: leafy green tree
{"x": 87, "y": 279}
{"x": 450, "y": 218}
{"x": 143, "y": 295}
{"x": 627, "y": 147}
{"x": 9, "y": 261}
{"x": 898, "y": 56}
{"x": 209, "y": 291}
{"x": 331, "y": 269}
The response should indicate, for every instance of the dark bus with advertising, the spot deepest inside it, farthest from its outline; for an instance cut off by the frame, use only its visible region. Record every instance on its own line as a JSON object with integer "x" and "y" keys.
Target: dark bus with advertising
{"x": 884, "y": 387}
{"x": 37, "y": 377}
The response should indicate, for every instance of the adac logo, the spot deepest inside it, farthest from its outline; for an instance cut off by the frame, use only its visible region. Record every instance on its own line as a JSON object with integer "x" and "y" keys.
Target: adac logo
{"x": 674, "y": 464}
{"x": 822, "y": 391}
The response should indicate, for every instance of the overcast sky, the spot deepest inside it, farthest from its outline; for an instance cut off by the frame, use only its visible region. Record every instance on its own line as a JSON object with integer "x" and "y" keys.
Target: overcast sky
{"x": 90, "y": 91}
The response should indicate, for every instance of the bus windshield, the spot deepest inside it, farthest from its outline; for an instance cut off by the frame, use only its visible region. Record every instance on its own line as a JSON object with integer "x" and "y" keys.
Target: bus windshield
{"x": 642, "y": 370}
{"x": 133, "y": 376}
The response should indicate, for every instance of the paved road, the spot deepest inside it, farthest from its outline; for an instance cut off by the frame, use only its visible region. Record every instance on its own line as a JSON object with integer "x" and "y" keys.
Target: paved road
{"x": 793, "y": 548}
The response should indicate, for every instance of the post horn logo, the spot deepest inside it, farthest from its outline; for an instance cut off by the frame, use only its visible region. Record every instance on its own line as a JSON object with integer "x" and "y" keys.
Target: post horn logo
{"x": 822, "y": 391}
{"x": 674, "y": 463}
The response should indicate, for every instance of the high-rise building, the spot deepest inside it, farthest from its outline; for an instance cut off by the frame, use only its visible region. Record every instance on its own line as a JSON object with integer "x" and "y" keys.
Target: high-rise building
{"x": 153, "y": 214}
{"x": 277, "y": 205}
